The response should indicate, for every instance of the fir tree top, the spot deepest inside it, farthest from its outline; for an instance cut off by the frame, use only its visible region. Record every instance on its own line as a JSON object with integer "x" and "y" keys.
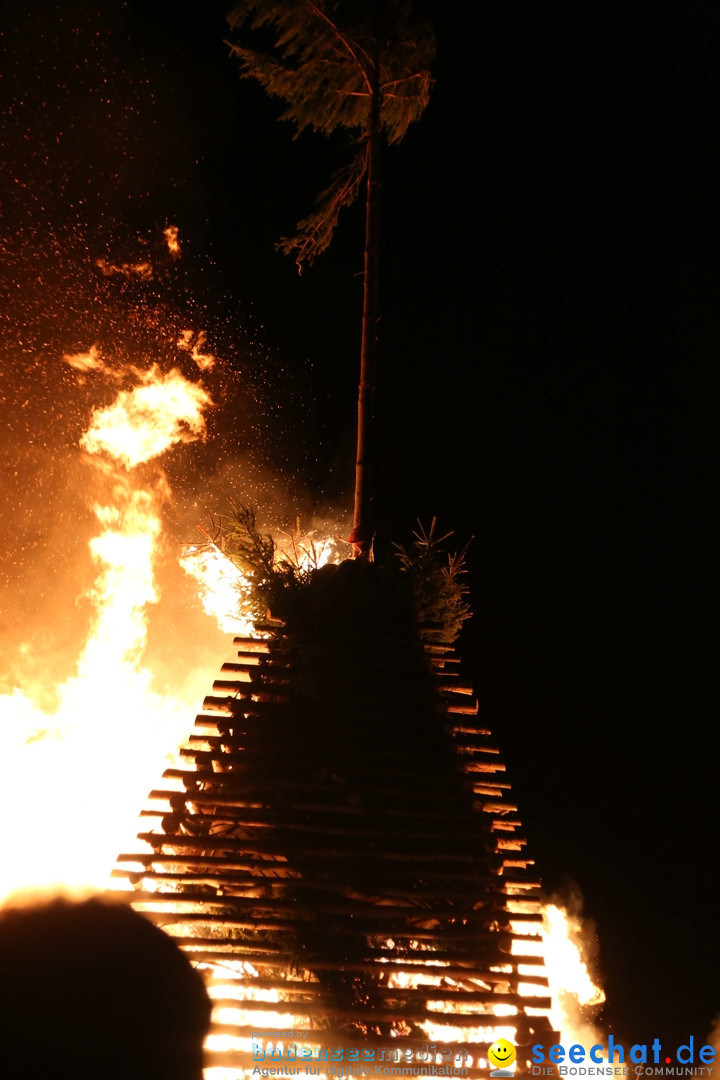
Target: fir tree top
{"x": 324, "y": 57}
{"x": 329, "y": 61}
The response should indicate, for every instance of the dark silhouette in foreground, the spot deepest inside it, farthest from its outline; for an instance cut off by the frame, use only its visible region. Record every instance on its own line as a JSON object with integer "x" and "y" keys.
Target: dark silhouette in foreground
{"x": 93, "y": 989}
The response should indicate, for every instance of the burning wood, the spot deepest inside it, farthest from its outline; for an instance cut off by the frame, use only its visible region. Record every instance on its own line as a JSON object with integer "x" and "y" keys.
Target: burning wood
{"x": 339, "y": 850}
{"x": 336, "y": 832}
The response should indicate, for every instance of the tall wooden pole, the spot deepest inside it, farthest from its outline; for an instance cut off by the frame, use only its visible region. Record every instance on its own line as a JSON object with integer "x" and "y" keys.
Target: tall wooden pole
{"x": 362, "y": 532}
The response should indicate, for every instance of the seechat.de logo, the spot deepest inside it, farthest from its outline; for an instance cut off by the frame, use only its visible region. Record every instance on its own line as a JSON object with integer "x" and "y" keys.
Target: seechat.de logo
{"x": 645, "y": 1059}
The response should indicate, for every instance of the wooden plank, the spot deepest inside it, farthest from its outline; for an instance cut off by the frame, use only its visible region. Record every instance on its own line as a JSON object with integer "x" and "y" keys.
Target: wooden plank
{"x": 466, "y": 743}
{"x": 299, "y": 807}
{"x": 244, "y": 663}
{"x": 252, "y": 644}
{"x": 309, "y": 987}
{"x": 230, "y": 686}
{"x": 378, "y": 833}
{"x": 437, "y": 785}
{"x": 273, "y": 959}
{"x": 373, "y": 1014}
{"x": 407, "y": 916}
{"x": 287, "y": 933}
{"x": 232, "y": 843}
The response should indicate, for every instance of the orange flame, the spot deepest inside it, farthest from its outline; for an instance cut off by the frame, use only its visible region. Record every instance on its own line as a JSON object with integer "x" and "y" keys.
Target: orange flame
{"x": 171, "y": 234}
{"x": 147, "y": 420}
{"x": 75, "y": 778}
{"x": 193, "y": 343}
{"x": 222, "y": 587}
{"x": 574, "y": 991}
{"x": 225, "y": 590}
{"x": 143, "y": 271}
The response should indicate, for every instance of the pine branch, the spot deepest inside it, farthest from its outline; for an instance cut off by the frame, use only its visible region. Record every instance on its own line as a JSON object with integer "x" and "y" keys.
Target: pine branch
{"x": 315, "y": 232}
{"x": 435, "y": 578}
{"x": 361, "y": 57}
{"x": 274, "y": 575}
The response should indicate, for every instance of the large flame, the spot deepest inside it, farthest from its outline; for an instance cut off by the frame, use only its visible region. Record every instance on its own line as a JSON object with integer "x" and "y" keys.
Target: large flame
{"x": 573, "y": 991}
{"x": 76, "y": 777}
{"x": 575, "y": 994}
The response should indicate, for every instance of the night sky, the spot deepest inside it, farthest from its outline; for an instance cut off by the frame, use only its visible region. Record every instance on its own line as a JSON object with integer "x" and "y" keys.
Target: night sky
{"x": 549, "y": 335}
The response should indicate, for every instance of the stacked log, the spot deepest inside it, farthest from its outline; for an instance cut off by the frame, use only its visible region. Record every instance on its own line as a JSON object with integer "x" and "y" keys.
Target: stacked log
{"x": 339, "y": 852}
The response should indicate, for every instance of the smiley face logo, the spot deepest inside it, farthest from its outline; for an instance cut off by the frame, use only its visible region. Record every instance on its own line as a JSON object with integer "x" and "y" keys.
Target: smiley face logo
{"x": 502, "y": 1055}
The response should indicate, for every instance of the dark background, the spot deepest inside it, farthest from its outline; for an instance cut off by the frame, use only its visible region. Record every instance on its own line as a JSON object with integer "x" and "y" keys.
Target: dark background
{"x": 548, "y": 343}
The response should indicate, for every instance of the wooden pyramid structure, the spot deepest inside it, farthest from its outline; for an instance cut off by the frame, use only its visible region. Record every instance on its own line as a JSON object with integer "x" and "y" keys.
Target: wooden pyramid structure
{"x": 340, "y": 854}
